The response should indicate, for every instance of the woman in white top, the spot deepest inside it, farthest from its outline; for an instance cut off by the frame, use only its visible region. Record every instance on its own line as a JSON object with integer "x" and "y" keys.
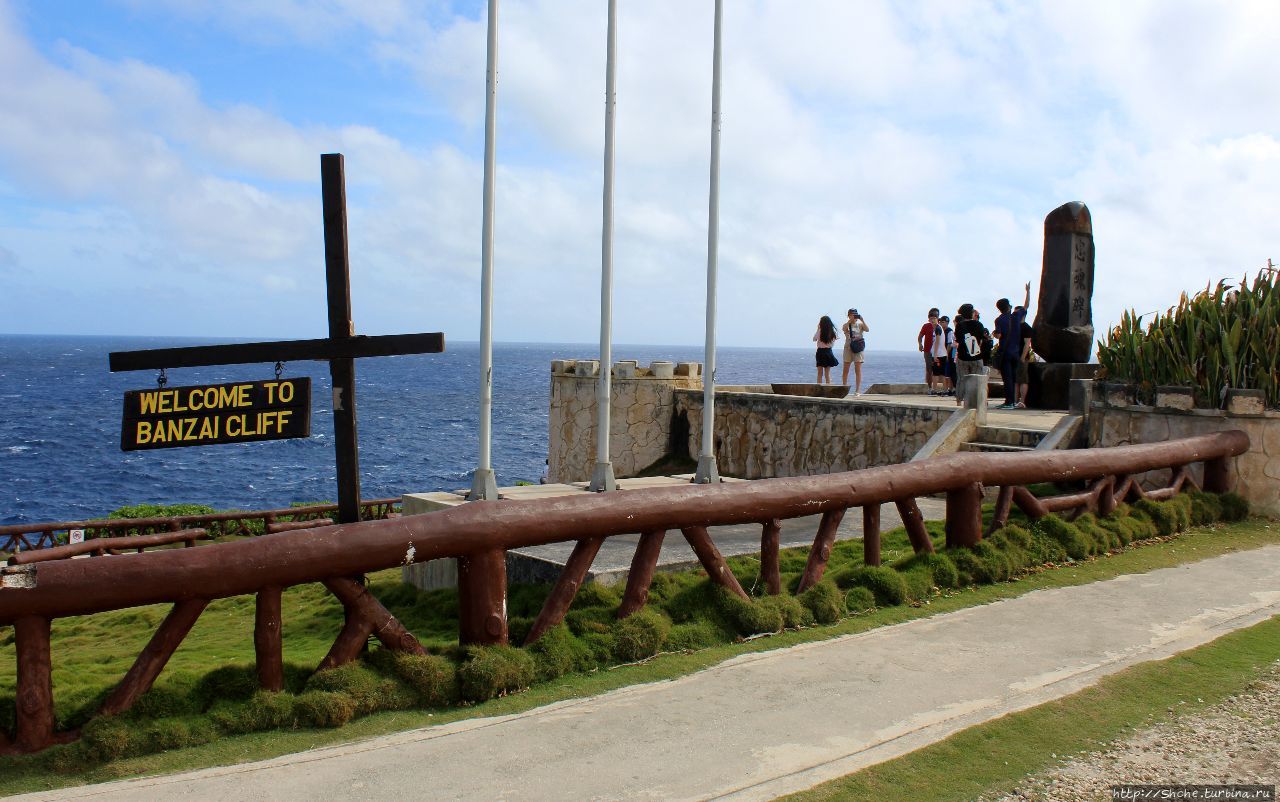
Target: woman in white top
{"x": 854, "y": 347}
{"x": 825, "y": 337}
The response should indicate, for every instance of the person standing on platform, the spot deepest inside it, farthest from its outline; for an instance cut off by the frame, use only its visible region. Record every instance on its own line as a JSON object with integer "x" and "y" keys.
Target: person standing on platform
{"x": 854, "y": 347}
{"x": 925, "y": 340}
{"x": 1027, "y": 357}
{"x": 1009, "y": 332}
{"x": 949, "y": 361}
{"x": 970, "y": 343}
{"x": 826, "y": 337}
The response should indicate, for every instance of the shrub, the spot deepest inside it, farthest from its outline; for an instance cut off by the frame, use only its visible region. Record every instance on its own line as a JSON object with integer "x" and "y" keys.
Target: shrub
{"x": 171, "y": 699}
{"x": 518, "y": 628}
{"x": 993, "y": 564}
{"x": 640, "y": 635}
{"x": 1100, "y": 538}
{"x": 493, "y": 671}
{"x": 1066, "y": 535}
{"x": 794, "y": 614}
{"x": 747, "y": 617}
{"x": 1015, "y": 557}
{"x": 889, "y": 587}
{"x": 860, "y": 600}
{"x": 598, "y": 649}
{"x": 160, "y": 511}
{"x": 1181, "y": 506}
{"x": 324, "y": 708}
{"x": 825, "y": 601}
{"x": 692, "y": 602}
{"x": 693, "y": 635}
{"x": 525, "y": 600}
{"x": 1235, "y": 507}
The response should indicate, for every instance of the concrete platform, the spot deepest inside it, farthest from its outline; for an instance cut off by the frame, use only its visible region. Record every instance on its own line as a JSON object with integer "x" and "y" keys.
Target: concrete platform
{"x": 613, "y": 563}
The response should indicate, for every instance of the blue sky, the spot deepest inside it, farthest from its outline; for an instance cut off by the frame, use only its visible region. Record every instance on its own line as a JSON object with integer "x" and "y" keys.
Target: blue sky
{"x": 159, "y": 161}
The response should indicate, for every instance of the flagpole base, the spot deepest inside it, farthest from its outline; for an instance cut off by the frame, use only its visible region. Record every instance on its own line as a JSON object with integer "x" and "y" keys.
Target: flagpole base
{"x": 708, "y": 473}
{"x": 484, "y": 486}
{"x": 602, "y": 478}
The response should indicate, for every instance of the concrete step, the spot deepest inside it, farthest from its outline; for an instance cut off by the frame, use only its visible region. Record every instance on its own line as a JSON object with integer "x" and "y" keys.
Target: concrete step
{"x": 1009, "y": 436}
{"x": 993, "y": 448}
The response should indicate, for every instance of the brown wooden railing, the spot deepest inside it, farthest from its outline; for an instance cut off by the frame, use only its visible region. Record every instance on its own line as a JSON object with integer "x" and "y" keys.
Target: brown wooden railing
{"x": 479, "y": 534}
{"x": 27, "y": 537}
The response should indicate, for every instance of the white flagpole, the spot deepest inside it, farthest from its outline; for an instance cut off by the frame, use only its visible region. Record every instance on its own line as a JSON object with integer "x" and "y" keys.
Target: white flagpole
{"x": 602, "y": 477}
{"x": 483, "y": 484}
{"x": 707, "y": 471}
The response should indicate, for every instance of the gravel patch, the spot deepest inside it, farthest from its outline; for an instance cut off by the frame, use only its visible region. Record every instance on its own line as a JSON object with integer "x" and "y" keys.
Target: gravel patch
{"x": 1236, "y": 741}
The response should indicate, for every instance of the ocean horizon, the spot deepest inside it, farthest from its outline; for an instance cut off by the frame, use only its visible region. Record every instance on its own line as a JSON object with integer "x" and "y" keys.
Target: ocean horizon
{"x": 418, "y": 417}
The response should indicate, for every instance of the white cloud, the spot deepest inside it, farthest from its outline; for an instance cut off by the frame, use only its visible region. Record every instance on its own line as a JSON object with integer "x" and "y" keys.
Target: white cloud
{"x": 885, "y": 155}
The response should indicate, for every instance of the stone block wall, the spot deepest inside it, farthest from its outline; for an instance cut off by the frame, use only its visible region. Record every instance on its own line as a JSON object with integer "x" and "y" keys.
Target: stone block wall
{"x": 640, "y": 416}
{"x": 1257, "y": 472}
{"x": 760, "y": 435}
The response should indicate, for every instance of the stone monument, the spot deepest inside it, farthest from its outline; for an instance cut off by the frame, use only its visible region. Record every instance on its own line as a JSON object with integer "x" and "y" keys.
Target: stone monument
{"x": 1064, "y": 313}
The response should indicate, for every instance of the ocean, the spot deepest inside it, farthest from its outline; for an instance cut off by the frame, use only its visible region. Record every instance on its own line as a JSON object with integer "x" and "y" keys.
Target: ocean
{"x": 60, "y": 411}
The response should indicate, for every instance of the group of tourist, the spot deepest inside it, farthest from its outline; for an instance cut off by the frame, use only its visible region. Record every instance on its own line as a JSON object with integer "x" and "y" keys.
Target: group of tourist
{"x": 951, "y": 354}
{"x": 855, "y": 343}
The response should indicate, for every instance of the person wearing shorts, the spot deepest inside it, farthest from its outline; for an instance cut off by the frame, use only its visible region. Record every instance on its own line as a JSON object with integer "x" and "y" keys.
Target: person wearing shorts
{"x": 925, "y": 340}
{"x": 969, "y": 337}
{"x": 854, "y": 330}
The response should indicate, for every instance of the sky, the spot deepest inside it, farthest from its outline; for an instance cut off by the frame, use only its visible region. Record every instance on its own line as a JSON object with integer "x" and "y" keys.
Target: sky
{"x": 160, "y": 171}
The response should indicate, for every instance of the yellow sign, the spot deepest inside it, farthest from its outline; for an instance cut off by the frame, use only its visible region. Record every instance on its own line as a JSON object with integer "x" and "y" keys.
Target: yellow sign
{"x": 216, "y": 413}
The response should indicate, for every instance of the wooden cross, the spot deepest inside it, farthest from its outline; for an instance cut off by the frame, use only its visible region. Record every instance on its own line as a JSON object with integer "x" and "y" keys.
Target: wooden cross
{"x": 341, "y": 348}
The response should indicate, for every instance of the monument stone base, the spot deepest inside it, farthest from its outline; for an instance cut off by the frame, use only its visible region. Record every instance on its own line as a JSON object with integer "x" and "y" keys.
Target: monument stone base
{"x": 1049, "y": 383}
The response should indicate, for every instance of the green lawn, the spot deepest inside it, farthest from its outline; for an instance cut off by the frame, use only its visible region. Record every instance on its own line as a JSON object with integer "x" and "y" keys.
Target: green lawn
{"x": 91, "y": 653}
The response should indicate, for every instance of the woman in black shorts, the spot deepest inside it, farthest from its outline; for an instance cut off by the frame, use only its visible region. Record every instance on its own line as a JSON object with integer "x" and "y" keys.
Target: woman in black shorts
{"x": 825, "y": 337}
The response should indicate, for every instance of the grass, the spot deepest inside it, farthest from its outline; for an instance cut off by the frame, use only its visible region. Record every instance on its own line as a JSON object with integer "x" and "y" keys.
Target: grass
{"x": 91, "y": 653}
{"x": 993, "y": 758}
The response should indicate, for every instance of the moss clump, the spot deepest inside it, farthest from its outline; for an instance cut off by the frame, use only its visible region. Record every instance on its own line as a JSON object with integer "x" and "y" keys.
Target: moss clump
{"x": 1066, "y": 535}
{"x": 492, "y": 671}
{"x": 859, "y": 600}
{"x": 324, "y": 708}
{"x": 888, "y": 585}
{"x": 693, "y": 636}
{"x": 941, "y": 570}
{"x": 640, "y": 635}
{"x": 370, "y": 690}
{"x": 1206, "y": 508}
{"x": 968, "y": 568}
{"x": 593, "y": 594}
{"x": 994, "y": 563}
{"x": 557, "y": 653}
{"x": 431, "y": 678}
{"x": 794, "y": 614}
{"x": 747, "y": 617}
{"x": 263, "y": 711}
{"x": 593, "y": 620}
{"x": 825, "y": 601}
{"x": 919, "y": 584}
{"x": 1165, "y": 519}
{"x": 1235, "y": 507}
{"x": 234, "y": 682}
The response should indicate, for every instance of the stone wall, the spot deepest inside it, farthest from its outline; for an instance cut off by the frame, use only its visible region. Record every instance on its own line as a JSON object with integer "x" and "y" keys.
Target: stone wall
{"x": 640, "y": 416}
{"x": 760, "y": 435}
{"x": 1257, "y": 472}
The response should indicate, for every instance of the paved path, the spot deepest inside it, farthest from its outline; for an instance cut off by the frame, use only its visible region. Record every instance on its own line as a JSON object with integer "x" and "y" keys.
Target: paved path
{"x": 765, "y": 724}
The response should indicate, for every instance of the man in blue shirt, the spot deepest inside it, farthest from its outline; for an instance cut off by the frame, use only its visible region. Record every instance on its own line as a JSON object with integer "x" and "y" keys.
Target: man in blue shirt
{"x": 1009, "y": 332}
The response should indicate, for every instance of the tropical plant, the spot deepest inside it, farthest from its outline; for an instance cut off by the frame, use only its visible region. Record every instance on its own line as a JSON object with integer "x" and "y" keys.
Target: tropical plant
{"x": 1222, "y": 337}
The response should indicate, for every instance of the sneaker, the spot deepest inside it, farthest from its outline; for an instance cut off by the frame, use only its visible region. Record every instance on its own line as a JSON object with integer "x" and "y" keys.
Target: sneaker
{"x": 1007, "y": 406}
{"x": 1019, "y": 405}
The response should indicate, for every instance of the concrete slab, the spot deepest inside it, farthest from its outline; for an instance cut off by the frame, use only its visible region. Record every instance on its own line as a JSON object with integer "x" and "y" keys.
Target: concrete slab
{"x": 767, "y": 724}
{"x": 613, "y": 562}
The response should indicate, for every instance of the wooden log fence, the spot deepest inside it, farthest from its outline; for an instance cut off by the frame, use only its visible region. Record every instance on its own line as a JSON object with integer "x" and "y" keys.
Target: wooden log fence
{"x": 33, "y": 593}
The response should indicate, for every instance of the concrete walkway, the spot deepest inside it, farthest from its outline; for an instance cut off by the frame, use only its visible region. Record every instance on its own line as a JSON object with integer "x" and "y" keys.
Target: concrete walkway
{"x": 766, "y": 724}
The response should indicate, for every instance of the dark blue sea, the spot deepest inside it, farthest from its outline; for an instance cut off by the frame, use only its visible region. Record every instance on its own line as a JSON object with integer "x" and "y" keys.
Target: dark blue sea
{"x": 60, "y": 410}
